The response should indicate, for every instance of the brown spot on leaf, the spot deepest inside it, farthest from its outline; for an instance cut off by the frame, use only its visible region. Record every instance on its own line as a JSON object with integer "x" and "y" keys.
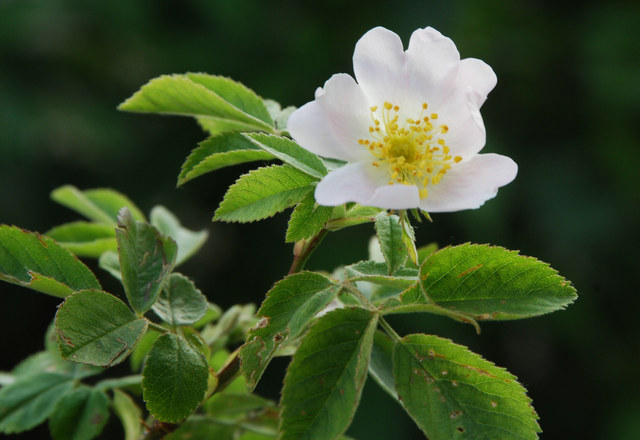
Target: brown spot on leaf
{"x": 471, "y": 269}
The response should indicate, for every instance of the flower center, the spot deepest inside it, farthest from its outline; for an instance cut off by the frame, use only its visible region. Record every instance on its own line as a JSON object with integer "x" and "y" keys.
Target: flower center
{"x": 414, "y": 151}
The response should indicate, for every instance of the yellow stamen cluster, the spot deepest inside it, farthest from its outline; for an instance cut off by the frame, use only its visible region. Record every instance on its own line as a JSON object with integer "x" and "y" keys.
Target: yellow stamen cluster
{"x": 413, "y": 151}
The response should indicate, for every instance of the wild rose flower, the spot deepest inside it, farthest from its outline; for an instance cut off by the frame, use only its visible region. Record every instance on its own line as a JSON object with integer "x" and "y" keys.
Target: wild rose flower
{"x": 409, "y": 129}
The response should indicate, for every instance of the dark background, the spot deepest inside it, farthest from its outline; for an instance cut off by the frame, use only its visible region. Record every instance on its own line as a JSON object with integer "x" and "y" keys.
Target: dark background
{"x": 566, "y": 108}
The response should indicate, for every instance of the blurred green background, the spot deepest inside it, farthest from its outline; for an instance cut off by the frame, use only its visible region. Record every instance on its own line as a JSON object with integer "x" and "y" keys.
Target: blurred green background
{"x": 566, "y": 108}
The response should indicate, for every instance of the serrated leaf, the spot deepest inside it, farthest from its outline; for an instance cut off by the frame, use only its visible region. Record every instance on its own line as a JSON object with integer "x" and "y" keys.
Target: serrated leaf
{"x": 85, "y": 239}
{"x": 189, "y": 242}
{"x": 220, "y": 151}
{"x": 324, "y": 381}
{"x": 79, "y": 415}
{"x": 290, "y": 153}
{"x": 30, "y": 399}
{"x": 129, "y": 414}
{"x": 180, "y": 302}
{"x": 234, "y": 93}
{"x": 381, "y": 363}
{"x": 39, "y": 263}
{"x": 174, "y": 379}
{"x": 378, "y": 273}
{"x": 389, "y": 233}
{"x": 142, "y": 348}
{"x": 200, "y": 96}
{"x": 453, "y": 393}
{"x": 262, "y": 193}
{"x": 100, "y": 205}
{"x": 490, "y": 282}
{"x": 286, "y": 311}
{"x": 96, "y": 328}
{"x": 146, "y": 258}
{"x": 308, "y": 218}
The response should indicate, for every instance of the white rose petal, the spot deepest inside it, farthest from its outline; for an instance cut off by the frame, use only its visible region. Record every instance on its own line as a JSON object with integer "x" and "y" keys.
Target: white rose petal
{"x": 410, "y": 127}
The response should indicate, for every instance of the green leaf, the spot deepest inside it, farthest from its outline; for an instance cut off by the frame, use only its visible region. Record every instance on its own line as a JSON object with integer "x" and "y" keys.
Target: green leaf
{"x": 129, "y": 413}
{"x": 142, "y": 348}
{"x": 180, "y": 302}
{"x": 290, "y": 153}
{"x": 175, "y": 379}
{"x": 97, "y": 328}
{"x": 389, "y": 233}
{"x": 85, "y": 239}
{"x": 285, "y": 313}
{"x": 29, "y": 400}
{"x": 308, "y": 218}
{"x": 229, "y": 404}
{"x": 146, "y": 258}
{"x": 234, "y": 93}
{"x": 324, "y": 381}
{"x": 262, "y": 193}
{"x": 488, "y": 282}
{"x": 356, "y": 215}
{"x": 218, "y": 99}
{"x": 453, "y": 393}
{"x": 378, "y": 273}
{"x": 189, "y": 242}
{"x": 100, "y": 205}
{"x": 110, "y": 261}
{"x": 80, "y": 415}
{"x": 37, "y": 262}
{"x": 381, "y": 363}
{"x": 220, "y": 151}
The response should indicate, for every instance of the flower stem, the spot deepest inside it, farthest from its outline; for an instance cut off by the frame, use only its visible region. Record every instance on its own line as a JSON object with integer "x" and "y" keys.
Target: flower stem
{"x": 303, "y": 249}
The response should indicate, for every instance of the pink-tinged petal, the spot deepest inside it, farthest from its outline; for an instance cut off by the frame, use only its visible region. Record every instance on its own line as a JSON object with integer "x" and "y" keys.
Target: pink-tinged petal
{"x": 332, "y": 124}
{"x": 362, "y": 183}
{"x": 469, "y": 184}
{"x": 379, "y": 66}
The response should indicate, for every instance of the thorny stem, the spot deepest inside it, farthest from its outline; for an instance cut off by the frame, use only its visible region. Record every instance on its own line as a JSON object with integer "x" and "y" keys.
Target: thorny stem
{"x": 303, "y": 249}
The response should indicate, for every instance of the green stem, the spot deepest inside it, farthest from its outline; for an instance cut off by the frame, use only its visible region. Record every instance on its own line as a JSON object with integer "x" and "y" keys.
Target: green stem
{"x": 390, "y": 331}
{"x": 157, "y": 328}
{"x": 303, "y": 249}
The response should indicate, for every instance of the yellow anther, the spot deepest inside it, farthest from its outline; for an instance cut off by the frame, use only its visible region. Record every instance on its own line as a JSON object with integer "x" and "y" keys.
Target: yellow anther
{"x": 410, "y": 151}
